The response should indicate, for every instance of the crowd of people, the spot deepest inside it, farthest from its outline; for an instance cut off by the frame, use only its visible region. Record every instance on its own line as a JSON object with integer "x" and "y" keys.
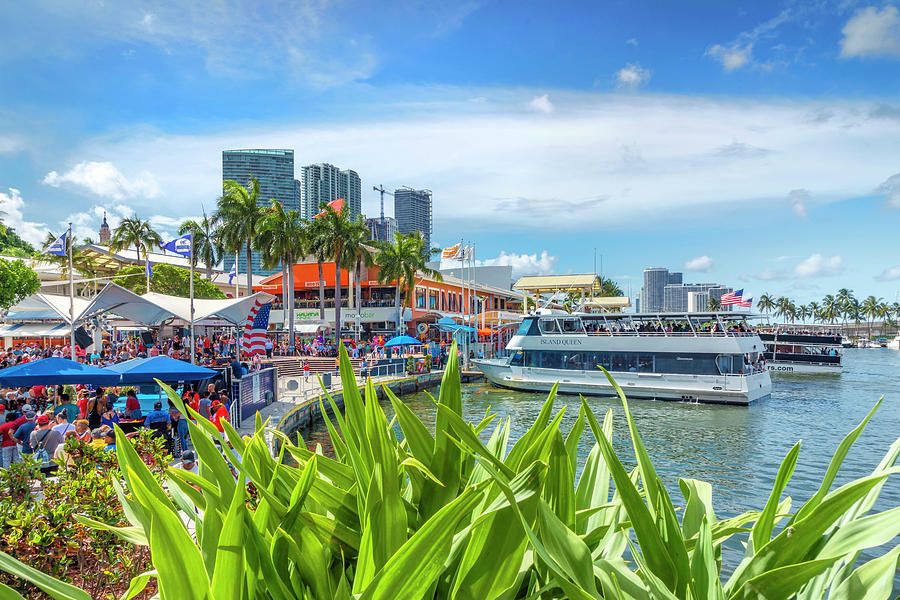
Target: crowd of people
{"x": 37, "y": 420}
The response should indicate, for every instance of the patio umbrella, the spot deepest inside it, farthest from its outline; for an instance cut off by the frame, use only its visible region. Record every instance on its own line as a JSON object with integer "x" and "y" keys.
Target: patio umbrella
{"x": 56, "y": 371}
{"x": 146, "y": 370}
{"x": 402, "y": 340}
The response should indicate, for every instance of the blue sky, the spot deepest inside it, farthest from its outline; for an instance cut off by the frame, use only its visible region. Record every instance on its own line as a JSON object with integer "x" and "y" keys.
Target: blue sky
{"x": 752, "y": 143}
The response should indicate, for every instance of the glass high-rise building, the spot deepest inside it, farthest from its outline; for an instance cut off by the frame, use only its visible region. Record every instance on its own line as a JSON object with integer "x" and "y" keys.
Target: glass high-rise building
{"x": 656, "y": 279}
{"x": 323, "y": 183}
{"x": 275, "y": 171}
{"x": 412, "y": 209}
{"x": 375, "y": 228}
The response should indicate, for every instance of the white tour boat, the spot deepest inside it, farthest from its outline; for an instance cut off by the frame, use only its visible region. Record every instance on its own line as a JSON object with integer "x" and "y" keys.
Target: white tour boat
{"x": 802, "y": 349}
{"x": 697, "y": 357}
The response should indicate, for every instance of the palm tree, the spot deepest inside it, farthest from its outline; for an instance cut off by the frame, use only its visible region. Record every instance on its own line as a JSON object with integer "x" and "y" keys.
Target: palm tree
{"x": 82, "y": 263}
{"x": 786, "y": 308}
{"x": 813, "y": 308}
{"x": 802, "y": 312}
{"x": 884, "y": 311}
{"x": 713, "y": 304}
{"x": 844, "y": 299}
{"x": 132, "y": 231}
{"x": 357, "y": 245}
{"x": 238, "y": 214}
{"x": 281, "y": 240}
{"x": 338, "y": 230}
{"x": 832, "y": 307}
{"x": 398, "y": 262}
{"x": 317, "y": 246}
{"x": 870, "y": 308}
{"x": 766, "y": 304}
{"x": 207, "y": 243}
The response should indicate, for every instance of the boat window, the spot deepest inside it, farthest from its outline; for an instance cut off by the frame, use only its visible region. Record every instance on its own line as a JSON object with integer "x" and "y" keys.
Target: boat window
{"x": 517, "y": 359}
{"x": 549, "y": 326}
{"x": 634, "y": 362}
{"x": 571, "y": 325}
{"x": 528, "y": 327}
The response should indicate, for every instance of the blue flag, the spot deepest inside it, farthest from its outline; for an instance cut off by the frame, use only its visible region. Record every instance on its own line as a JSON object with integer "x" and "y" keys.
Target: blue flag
{"x": 233, "y": 273}
{"x": 149, "y": 269}
{"x": 58, "y": 247}
{"x": 180, "y": 245}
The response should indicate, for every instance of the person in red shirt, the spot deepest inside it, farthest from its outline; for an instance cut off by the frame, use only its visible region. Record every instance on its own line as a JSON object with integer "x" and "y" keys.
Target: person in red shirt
{"x": 9, "y": 452}
{"x": 82, "y": 405}
{"x": 219, "y": 412}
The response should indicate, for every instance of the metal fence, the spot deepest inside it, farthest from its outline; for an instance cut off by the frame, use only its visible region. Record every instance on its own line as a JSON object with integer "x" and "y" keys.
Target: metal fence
{"x": 253, "y": 392}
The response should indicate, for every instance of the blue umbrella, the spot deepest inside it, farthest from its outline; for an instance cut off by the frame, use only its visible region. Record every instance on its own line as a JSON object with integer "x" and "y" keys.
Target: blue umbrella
{"x": 402, "y": 340}
{"x": 146, "y": 370}
{"x": 56, "y": 371}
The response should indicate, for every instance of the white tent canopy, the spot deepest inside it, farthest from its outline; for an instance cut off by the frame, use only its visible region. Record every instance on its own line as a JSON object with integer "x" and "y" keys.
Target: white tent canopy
{"x": 153, "y": 308}
{"x": 39, "y": 304}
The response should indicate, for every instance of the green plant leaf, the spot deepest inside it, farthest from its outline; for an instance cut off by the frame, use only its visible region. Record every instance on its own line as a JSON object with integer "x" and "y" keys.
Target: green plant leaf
{"x": 873, "y": 580}
{"x": 137, "y": 585}
{"x": 781, "y": 582}
{"x": 228, "y": 575}
{"x": 53, "y": 587}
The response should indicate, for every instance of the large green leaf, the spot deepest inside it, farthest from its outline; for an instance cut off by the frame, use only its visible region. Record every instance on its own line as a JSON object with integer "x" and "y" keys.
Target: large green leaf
{"x": 762, "y": 531}
{"x": 781, "y": 582}
{"x": 53, "y": 587}
{"x": 873, "y": 580}
{"x": 228, "y": 576}
{"x": 414, "y": 568}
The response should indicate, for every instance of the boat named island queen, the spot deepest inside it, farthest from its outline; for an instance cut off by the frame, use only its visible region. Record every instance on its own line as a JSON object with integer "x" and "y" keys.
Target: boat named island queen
{"x": 710, "y": 357}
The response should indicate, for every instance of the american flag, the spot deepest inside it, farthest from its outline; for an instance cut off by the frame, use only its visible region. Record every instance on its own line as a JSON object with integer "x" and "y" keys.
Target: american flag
{"x": 255, "y": 327}
{"x": 731, "y": 298}
{"x": 748, "y": 303}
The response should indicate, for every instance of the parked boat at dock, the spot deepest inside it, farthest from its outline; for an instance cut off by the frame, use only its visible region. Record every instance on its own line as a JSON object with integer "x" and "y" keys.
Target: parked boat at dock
{"x": 710, "y": 357}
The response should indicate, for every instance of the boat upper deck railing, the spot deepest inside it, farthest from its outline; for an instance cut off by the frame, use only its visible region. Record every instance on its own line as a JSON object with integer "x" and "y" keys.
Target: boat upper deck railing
{"x": 668, "y": 333}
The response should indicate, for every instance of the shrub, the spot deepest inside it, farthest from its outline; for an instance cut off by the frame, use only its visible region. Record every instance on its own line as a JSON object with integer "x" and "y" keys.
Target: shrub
{"x": 451, "y": 516}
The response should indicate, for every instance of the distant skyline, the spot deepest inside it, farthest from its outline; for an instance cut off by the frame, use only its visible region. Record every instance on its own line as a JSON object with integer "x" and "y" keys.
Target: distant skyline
{"x": 756, "y": 144}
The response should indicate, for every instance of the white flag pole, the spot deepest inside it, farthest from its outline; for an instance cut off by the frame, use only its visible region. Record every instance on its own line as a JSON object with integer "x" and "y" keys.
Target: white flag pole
{"x": 191, "y": 260}
{"x": 237, "y": 292}
{"x": 71, "y": 297}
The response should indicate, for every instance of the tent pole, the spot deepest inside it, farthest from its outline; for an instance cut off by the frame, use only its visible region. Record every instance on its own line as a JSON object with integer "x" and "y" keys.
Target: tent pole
{"x": 193, "y": 357}
{"x": 71, "y": 297}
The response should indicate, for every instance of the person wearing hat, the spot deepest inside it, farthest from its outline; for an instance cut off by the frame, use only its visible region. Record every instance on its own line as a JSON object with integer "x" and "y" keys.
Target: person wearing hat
{"x": 159, "y": 420}
{"x": 44, "y": 438}
{"x": 23, "y": 433}
{"x": 219, "y": 412}
{"x": 189, "y": 462}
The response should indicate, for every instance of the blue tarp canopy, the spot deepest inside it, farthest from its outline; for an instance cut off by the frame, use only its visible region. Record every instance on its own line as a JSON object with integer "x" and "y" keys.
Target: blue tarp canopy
{"x": 56, "y": 371}
{"x": 446, "y": 321}
{"x": 146, "y": 370}
{"x": 402, "y": 340}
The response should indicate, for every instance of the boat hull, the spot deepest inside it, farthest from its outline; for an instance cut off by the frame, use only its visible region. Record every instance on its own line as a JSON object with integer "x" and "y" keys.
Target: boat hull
{"x": 681, "y": 388}
{"x": 790, "y": 368}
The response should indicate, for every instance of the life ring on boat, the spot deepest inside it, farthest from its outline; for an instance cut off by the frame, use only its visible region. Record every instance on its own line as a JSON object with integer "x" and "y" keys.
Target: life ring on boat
{"x": 422, "y": 328}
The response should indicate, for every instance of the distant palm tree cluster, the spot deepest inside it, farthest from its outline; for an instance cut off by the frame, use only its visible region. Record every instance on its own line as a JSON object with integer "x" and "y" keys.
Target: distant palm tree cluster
{"x": 241, "y": 223}
{"x": 842, "y": 306}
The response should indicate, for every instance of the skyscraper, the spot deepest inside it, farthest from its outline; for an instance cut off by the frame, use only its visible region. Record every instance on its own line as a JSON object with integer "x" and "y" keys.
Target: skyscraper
{"x": 653, "y": 295}
{"x": 323, "y": 183}
{"x": 412, "y": 209}
{"x": 390, "y": 228}
{"x": 275, "y": 171}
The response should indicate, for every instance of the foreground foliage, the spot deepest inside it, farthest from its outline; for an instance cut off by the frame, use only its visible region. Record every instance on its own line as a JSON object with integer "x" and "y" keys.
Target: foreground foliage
{"x": 37, "y": 527}
{"x": 452, "y": 516}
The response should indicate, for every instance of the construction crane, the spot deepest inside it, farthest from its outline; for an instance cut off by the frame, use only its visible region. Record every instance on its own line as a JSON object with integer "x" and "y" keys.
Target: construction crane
{"x": 380, "y": 188}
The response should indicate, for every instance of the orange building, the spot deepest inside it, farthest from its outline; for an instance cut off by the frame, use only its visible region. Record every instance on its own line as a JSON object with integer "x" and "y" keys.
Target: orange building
{"x": 432, "y": 299}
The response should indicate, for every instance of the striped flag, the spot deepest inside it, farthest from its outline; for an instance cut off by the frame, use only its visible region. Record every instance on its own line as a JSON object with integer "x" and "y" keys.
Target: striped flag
{"x": 731, "y": 298}
{"x": 748, "y": 303}
{"x": 451, "y": 253}
{"x": 255, "y": 327}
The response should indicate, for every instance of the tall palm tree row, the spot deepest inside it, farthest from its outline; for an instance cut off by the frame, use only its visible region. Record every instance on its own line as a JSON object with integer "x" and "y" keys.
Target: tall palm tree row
{"x": 338, "y": 232}
{"x": 398, "y": 262}
{"x": 239, "y": 215}
{"x": 842, "y": 305}
{"x": 282, "y": 239}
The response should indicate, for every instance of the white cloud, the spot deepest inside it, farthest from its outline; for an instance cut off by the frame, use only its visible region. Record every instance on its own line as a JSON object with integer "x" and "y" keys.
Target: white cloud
{"x": 104, "y": 179}
{"x": 872, "y": 32}
{"x": 702, "y": 264}
{"x": 524, "y": 264}
{"x": 891, "y": 274}
{"x": 631, "y": 42}
{"x": 562, "y": 173}
{"x": 11, "y": 213}
{"x": 891, "y": 190}
{"x": 542, "y": 104}
{"x": 10, "y": 145}
{"x": 732, "y": 57}
{"x": 819, "y": 266}
{"x": 798, "y": 199}
{"x": 632, "y": 76}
